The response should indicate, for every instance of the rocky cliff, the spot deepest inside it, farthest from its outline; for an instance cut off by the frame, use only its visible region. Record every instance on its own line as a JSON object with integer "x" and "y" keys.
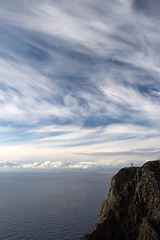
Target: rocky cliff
{"x": 132, "y": 210}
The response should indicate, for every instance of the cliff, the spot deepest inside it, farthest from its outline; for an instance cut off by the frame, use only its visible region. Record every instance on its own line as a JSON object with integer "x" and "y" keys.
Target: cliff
{"x": 132, "y": 209}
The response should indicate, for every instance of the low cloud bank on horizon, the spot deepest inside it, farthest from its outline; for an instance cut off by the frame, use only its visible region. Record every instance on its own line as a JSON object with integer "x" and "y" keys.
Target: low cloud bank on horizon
{"x": 79, "y": 83}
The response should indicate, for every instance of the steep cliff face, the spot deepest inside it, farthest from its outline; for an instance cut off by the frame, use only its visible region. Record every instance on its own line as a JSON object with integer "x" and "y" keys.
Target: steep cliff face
{"x": 132, "y": 210}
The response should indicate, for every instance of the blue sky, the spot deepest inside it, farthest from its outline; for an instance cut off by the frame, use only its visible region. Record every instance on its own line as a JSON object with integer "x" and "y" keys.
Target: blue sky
{"x": 79, "y": 83}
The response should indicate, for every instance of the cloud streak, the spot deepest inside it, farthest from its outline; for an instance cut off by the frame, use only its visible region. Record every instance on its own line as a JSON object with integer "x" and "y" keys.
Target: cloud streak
{"x": 78, "y": 75}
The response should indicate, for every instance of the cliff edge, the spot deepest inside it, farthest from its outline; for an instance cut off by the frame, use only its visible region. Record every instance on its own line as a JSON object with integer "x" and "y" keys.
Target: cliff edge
{"x": 132, "y": 209}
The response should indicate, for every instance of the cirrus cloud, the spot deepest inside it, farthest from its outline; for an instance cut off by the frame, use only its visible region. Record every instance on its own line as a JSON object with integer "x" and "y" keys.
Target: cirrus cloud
{"x": 79, "y": 76}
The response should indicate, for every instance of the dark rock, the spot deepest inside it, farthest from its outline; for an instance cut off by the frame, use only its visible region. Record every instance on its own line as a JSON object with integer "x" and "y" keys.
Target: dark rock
{"x": 132, "y": 209}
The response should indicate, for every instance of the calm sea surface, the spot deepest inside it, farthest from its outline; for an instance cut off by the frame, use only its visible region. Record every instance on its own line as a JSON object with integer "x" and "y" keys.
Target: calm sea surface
{"x": 50, "y": 206}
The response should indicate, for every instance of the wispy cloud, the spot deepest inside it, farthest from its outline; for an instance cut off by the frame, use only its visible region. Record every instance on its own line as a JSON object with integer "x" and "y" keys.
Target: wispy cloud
{"x": 71, "y": 136}
{"x": 77, "y": 76}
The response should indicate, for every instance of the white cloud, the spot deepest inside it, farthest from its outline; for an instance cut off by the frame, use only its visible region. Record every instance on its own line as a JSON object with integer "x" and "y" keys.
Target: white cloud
{"x": 41, "y": 165}
{"x": 85, "y": 148}
{"x": 120, "y": 34}
{"x": 26, "y": 95}
{"x": 112, "y": 48}
{"x": 73, "y": 136}
{"x": 132, "y": 102}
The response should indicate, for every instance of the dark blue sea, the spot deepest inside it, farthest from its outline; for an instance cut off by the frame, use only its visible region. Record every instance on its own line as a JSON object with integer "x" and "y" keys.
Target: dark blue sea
{"x": 50, "y": 205}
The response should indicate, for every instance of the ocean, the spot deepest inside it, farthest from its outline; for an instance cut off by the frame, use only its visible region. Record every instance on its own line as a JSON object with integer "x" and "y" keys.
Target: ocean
{"x": 50, "y": 205}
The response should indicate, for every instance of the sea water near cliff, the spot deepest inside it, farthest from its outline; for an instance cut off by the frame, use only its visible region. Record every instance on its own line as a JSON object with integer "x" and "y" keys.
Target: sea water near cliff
{"x": 50, "y": 205}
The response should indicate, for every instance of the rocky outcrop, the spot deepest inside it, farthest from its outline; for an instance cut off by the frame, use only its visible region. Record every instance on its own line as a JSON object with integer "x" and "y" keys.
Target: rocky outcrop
{"x": 132, "y": 210}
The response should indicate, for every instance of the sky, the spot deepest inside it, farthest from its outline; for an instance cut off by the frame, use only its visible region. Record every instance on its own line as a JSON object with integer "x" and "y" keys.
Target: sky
{"x": 79, "y": 83}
